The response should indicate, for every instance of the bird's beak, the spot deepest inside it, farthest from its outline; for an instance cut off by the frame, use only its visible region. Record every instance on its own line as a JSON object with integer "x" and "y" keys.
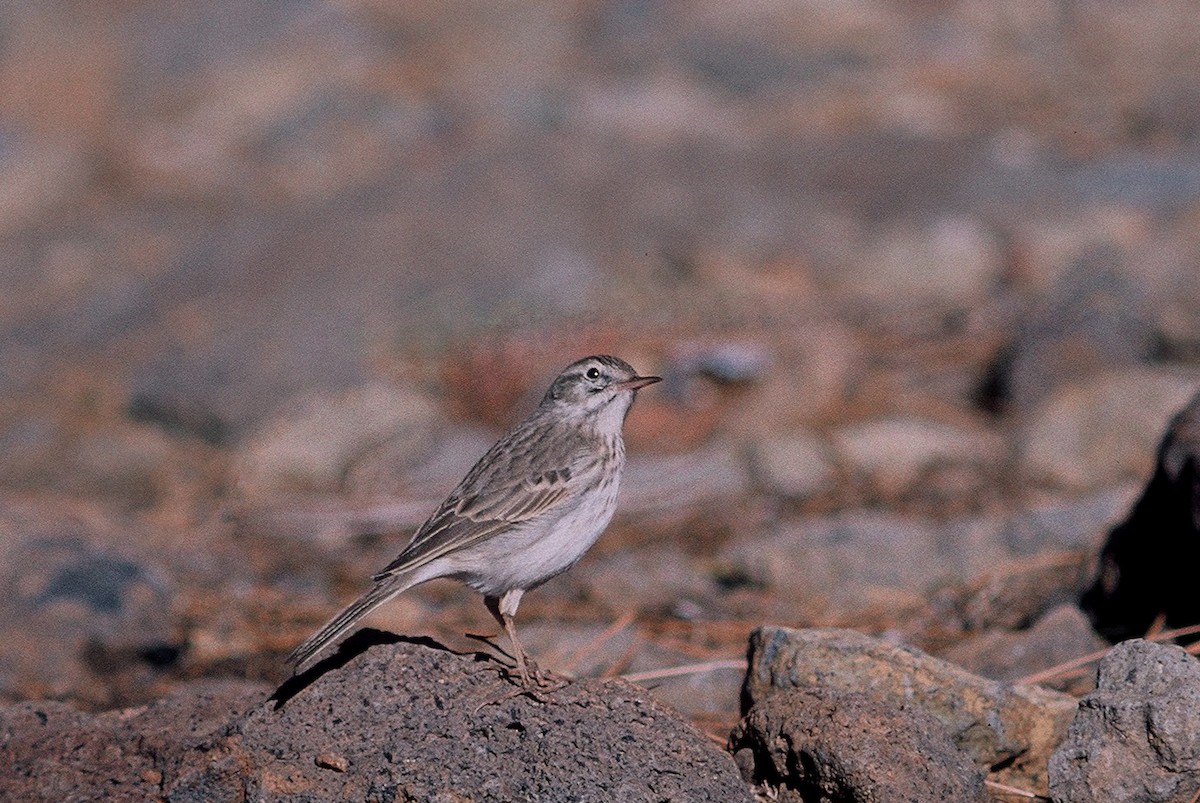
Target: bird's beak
{"x": 637, "y": 382}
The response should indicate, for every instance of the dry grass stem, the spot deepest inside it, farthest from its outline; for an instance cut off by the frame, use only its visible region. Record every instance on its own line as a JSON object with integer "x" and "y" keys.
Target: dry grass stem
{"x": 584, "y": 652}
{"x": 1004, "y": 790}
{"x": 688, "y": 669}
{"x": 1072, "y": 668}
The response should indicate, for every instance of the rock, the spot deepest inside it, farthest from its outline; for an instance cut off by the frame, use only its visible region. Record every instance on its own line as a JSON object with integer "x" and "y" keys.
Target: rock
{"x": 433, "y": 466}
{"x": 892, "y": 454}
{"x": 618, "y": 579}
{"x": 729, "y": 363}
{"x": 794, "y": 465}
{"x": 810, "y": 379}
{"x": 1075, "y": 523}
{"x": 1019, "y": 592}
{"x": 674, "y": 483}
{"x": 1147, "y": 563}
{"x": 381, "y": 721}
{"x": 955, "y": 260}
{"x": 55, "y": 752}
{"x": 1061, "y": 635}
{"x": 37, "y": 180}
{"x": 1103, "y": 429}
{"x": 311, "y": 447}
{"x": 81, "y": 596}
{"x": 995, "y": 723}
{"x": 1094, "y": 318}
{"x": 834, "y": 565}
{"x": 1134, "y": 738}
{"x": 819, "y": 743}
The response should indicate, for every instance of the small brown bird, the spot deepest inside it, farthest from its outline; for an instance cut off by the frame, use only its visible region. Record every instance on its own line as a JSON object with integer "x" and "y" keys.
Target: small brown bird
{"x": 528, "y": 510}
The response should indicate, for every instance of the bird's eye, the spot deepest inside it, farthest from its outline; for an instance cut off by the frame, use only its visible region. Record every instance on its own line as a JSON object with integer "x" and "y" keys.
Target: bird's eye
{"x": 592, "y": 373}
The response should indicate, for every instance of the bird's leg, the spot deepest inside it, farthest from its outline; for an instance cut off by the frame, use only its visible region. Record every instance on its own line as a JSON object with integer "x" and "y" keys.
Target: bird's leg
{"x": 504, "y": 609}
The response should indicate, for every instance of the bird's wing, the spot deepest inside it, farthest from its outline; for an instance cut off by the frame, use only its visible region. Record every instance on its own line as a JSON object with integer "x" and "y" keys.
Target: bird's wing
{"x": 485, "y": 505}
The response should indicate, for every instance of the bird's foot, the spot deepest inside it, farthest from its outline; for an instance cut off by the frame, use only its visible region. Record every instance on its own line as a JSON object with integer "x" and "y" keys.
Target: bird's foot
{"x": 534, "y": 680}
{"x": 538, "y": 688}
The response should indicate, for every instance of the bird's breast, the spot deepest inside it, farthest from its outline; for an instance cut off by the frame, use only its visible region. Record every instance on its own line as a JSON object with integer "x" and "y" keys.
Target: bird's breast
{"x": 539, "y": 549}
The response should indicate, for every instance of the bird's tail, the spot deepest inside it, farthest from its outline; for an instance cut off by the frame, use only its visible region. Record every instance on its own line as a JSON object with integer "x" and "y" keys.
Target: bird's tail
{"x": 379, "y": 593}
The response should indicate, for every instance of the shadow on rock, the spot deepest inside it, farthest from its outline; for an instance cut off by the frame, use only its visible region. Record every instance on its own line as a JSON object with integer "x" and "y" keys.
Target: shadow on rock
{"x": 357, "y": 644}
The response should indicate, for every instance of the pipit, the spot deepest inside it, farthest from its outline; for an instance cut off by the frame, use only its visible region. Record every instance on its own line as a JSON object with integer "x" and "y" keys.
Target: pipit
{"x": 527, "y": 511}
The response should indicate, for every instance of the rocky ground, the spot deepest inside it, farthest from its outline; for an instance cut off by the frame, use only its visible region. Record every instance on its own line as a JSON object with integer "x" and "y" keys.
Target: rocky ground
{"x": 923, "y": 280}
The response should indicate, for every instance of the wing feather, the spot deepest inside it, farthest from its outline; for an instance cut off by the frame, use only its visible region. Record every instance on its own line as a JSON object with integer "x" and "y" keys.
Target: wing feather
{"x": 490, "y": 501}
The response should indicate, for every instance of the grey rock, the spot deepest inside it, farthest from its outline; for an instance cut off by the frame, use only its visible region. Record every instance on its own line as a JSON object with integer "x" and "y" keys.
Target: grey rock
{"x": 835, "y": 562}
{"x": 823, "y": 744}
{"x": 1102, "y": 429}
{"x": 1094, "y": 318}
{"x": 954, "y": 260}
{"x": 310, "y": 447}
{"x": 892, "y": 454}
{"x": 37, "y": 179}
{"x": 729, "y": 363}
{"x": 1135, "y": 737}
{"x": 380, "y": 721}
{"x": 994, "y": 722}
{"x": 1019, "y": 592}
{"x": 79, "y": 592}
{"x": 666, "y": 483}
{"x": 56, "y": 752}
{"x": 794, "y": 465}
{"x": 1061, "y": 635}
{"x": 1077, "y": 522}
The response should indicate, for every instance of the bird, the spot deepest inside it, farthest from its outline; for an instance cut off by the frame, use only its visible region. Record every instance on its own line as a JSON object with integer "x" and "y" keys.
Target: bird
{"x": 526, "y": 512}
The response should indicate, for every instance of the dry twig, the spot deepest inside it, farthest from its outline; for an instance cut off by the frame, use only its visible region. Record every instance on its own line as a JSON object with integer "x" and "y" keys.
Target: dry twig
{"x": 1071, "y": 668}
{"x": 689, "y": 669}
{"x": 1005, "y": 789}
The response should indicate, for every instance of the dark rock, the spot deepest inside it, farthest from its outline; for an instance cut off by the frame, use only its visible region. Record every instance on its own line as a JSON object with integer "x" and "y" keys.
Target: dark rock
{"x": 1134, "y": 738}
{"x": 55, "y": 752}
{"x": 378, "y": 721}
{"x": 1147, "y": 566}
{"x": 821, "y": 744}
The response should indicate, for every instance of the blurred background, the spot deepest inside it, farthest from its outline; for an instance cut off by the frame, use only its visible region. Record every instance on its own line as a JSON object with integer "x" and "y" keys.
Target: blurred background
{"x": 923, "y": 278}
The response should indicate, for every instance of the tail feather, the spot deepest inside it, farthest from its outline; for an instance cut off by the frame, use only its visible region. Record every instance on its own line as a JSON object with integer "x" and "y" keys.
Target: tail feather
{"x": 372, "y": 599}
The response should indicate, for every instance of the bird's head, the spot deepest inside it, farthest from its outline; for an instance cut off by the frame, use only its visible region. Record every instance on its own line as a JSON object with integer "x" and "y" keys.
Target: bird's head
{"x": 600, "y": 388}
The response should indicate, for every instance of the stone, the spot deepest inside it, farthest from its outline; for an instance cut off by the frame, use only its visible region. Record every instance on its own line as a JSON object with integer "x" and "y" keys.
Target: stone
{"x": 834, "y": 565}
{"x": 1016, "y": 726}
{"x": 1062, "y": 635}
{"x": 384, "y": 719}
{"x": 953, "y": 260}
{"x": 822, "y": 744}
{"x": 1103, "y": 429}
{"x": 793, "y": 465}
{"x": 672, "y": 483}
{"x": 81, "y": 597}
{"x": 1093, "y": 318}
{"x": 37, "y": 180}
{"x": 310, "y": 448}
{"x": 1134, "y": 738}
{"x": 1019, "y": 592}
{"x": 892, "y": 454}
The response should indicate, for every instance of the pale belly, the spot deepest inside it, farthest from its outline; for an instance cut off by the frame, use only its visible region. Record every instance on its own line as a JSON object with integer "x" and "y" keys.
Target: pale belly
{"x": 537, "y": 551}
